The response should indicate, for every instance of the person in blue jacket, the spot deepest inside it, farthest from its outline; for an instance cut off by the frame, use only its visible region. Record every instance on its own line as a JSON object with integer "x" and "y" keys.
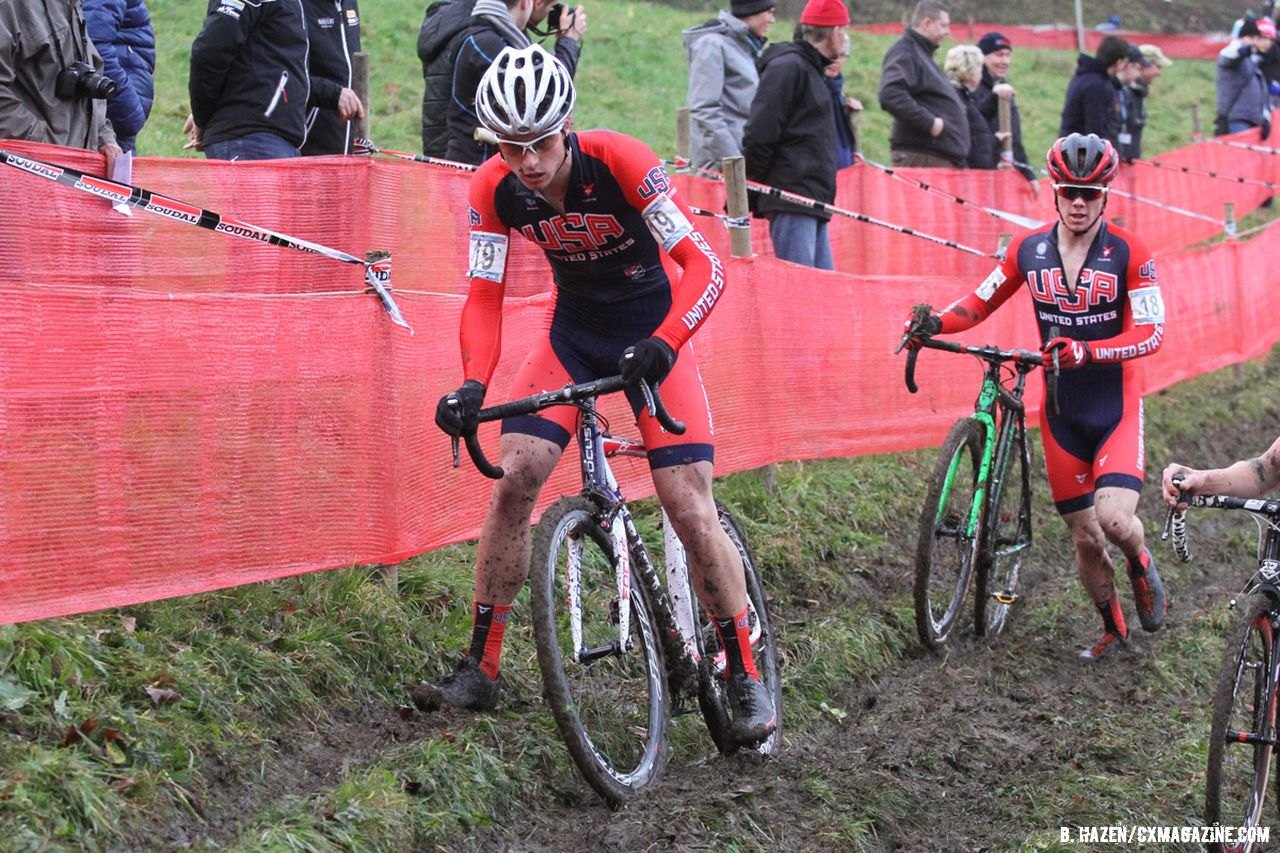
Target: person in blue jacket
{"x": 121, "y": 31}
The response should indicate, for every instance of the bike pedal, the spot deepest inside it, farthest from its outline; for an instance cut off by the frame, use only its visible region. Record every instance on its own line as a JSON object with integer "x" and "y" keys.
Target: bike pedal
{"x": 1005, "y": 598}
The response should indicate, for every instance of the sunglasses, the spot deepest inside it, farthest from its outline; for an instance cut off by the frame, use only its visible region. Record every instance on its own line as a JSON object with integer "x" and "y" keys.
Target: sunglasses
{"x": 1071, "y": 192}
{"x": 518, "y": 150}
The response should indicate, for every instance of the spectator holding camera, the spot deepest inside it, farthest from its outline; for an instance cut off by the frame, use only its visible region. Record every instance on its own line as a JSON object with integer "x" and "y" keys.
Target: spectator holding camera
{"x": 1244, "y": 100}
{"x": 121, "y": 31}
{"x": 249, "y": 82}
{"x": 51, "y": 84}
{"x": 496, "y": 24}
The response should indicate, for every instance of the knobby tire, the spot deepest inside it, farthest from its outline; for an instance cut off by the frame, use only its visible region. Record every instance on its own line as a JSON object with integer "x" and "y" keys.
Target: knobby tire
{"x": 1236, "y": 779}
{"x": 945, "y": 551}
{"x": 612, "y": 712}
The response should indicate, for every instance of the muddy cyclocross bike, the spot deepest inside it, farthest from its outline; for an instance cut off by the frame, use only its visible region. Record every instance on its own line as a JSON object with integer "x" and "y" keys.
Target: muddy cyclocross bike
{"x": 1242, "y": 734}
{"x": 620, "y": 652}
{"x": 977, "y": 512}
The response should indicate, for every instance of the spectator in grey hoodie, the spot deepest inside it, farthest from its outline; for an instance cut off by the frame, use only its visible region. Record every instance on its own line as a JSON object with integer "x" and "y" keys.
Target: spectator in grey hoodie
{"x": 722, "y": 57}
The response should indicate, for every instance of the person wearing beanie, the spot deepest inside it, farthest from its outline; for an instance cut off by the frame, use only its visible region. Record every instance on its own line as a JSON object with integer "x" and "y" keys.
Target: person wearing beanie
{"x": 1093, "y": 102}
{"x": 790, "y": 139}
{"x": 997, "y": 55}
{"x": 930, "y": 125}
{"x": 722, "y": 56}
{"x": 1244, "y": 100}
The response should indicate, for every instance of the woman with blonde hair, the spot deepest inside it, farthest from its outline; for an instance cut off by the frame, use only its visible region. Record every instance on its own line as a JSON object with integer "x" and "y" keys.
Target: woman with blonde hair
{"x": 963, "y": 68}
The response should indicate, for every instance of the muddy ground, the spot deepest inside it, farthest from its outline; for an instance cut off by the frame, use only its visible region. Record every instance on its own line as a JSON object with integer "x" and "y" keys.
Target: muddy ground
{"x": 991, "y": 746}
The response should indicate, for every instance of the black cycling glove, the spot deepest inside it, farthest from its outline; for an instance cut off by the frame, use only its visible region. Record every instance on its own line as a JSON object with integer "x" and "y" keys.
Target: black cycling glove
{"x": 456, "y": 412}
{"x": 650, "y": 359}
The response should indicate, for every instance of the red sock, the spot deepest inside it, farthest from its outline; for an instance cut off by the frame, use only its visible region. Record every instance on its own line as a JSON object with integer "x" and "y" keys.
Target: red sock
{"x": 489, "y": 623}
{"x": 735, "y": 638}
{"x": 1113, "y": 617}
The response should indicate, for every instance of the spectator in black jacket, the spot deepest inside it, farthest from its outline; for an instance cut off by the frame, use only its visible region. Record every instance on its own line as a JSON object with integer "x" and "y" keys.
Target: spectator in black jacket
{"x": 1093, "y": 95}
{"x": 997, "y": 55}
{"x": 249, "y": 83}
{"x": 333, "y": 27}
{"x": 437, "y": 40}
{"x": 495, "y": 24}
{"x": 930, "y": 127}
{"x": 790, "y": 139}
{"x": 121, "y": 31}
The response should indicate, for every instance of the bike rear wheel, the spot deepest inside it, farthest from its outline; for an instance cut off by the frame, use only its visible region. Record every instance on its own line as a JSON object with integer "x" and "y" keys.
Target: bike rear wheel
{"x": 609, "y": 699}
{"x": 764, "y": 647}
{"x": 1007, "y": 536}
{"x": 949, "y": 534}
{"x": 1242, "y": 733}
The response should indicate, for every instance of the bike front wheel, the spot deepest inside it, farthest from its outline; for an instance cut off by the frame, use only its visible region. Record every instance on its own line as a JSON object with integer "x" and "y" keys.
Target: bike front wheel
{"x": 608, "y": 696}
{"x": 1243, "y": 730}
{"x": 764, "y": 648}
{"x": 949, "y": 532}
{"x": 1006, "y": 538}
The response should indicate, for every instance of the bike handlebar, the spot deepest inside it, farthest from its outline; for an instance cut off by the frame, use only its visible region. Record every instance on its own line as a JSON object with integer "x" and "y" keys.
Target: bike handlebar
{"x": 917, "y": 329}
{"x": 569, "y": 394}
{"x": 1175, "y": 523}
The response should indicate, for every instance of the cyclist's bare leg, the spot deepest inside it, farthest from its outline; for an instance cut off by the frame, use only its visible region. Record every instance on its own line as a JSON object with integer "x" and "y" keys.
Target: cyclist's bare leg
{"x": 502, "y": 564}
{"x": 1093, "y": 564}
{"x": 719, "y": 581}
{"x": 1117, "y": 516}
{"x": 714, "y": 562}
{"x": 502, "y": 554}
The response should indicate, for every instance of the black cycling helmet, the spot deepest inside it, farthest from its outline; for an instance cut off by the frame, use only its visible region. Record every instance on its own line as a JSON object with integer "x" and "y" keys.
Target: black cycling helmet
{"x": 1083, "y": 159}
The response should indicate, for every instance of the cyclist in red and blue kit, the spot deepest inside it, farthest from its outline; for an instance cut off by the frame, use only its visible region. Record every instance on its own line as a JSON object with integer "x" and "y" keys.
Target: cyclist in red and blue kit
{"x": 1098, "y": 306}
{"x": 600, "y": 206}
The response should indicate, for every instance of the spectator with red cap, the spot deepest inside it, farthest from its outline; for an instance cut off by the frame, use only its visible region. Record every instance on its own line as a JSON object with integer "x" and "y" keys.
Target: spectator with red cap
{"x": 722, "y": 57}
{"x": 930, "y": 126}
{"x": 790, "y": 140}
{"x": 1243, "y": 98}
{"x": 997, "y": 55}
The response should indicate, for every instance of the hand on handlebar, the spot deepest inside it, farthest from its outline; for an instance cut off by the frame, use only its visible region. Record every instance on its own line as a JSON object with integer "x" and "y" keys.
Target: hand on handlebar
{"x": 922, "y": 324}
{"x": 1177, "y": 483}
{"x": 650, "y": 359}
{"x": 1071, "y": 353}
{"x": 457, "y": 411}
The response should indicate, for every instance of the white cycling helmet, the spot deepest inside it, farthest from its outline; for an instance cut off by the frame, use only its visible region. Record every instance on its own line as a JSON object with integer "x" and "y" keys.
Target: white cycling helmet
{"x": 526, "y": 92}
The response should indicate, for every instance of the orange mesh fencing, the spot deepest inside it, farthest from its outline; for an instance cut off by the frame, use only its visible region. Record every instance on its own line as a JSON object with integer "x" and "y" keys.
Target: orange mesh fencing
{"x": 182, "y": 411}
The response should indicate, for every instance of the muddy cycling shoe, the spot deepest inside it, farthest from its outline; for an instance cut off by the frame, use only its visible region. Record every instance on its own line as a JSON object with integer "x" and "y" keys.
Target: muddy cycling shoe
{"x": 1109, "y": 644}
{"x": 467, "y": 687}
{"x": 751, "y": 712}
{"x": 1148, "y": 594}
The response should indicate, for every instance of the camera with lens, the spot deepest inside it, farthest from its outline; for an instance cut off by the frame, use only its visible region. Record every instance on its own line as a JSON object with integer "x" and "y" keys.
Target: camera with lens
{"x": 554, "y": 14}
{"x": 81, "y": 81}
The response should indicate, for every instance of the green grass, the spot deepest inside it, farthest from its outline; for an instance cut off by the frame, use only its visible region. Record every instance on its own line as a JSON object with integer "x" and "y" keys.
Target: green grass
{"x": 257, "y": 675}
{"x": 633, "y": 78}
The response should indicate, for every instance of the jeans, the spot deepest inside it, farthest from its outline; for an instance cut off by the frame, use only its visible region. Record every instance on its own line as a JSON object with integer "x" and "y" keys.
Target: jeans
{"x": 801, "y": 239}
{"x": 252, "y": 146}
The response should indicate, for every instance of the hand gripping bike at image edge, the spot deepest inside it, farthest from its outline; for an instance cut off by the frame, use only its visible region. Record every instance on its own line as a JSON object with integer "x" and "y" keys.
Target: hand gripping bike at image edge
{"x": 620, "y": 653}
{"x": 1242, "y": 734}
{"x": 976, "y": 518}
